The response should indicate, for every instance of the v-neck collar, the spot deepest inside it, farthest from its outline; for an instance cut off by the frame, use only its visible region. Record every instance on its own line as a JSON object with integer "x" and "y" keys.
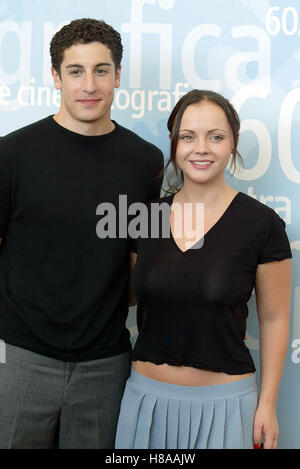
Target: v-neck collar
{"x": 201, "y": 240}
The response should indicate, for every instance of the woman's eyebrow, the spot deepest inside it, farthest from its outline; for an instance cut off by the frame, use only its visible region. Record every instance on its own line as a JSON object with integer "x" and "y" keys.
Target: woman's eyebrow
{"x": 212, "y": 130}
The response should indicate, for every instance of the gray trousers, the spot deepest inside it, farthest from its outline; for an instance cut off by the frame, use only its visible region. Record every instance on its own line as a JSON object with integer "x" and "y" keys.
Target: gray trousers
{"x": 48, "y": 403}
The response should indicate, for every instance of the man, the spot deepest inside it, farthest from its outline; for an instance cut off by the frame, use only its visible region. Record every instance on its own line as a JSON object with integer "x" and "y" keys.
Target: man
{"x": 63, "y": 291}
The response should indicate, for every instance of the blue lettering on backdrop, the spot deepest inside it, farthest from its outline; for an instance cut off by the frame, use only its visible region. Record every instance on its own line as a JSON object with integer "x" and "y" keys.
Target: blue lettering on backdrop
{"x": 246, "y": 49}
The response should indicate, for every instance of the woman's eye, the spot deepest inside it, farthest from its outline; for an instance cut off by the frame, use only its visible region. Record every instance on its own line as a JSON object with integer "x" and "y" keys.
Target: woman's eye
{"x": 185, "y": 137}
{"x": 216, "y": 137}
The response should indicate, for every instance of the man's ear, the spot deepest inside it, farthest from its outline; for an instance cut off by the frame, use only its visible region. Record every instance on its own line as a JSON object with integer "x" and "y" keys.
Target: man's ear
{"x": 56, "y": 78}
{"x": 118, "y": 77}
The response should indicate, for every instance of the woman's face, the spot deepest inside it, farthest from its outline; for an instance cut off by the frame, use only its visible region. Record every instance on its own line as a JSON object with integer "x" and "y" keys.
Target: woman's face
{"x": 205, "y": 143}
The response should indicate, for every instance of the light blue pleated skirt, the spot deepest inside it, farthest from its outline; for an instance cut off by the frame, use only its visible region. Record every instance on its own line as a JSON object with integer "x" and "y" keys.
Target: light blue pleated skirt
{"x": 157, "y": 415}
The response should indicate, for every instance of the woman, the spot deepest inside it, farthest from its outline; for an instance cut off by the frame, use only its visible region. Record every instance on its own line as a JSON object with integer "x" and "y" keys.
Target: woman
{"x": 193, "y": 379}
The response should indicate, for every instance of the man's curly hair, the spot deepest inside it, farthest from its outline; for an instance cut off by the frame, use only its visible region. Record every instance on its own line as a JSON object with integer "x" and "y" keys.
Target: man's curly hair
{"x": 84, "y": 31}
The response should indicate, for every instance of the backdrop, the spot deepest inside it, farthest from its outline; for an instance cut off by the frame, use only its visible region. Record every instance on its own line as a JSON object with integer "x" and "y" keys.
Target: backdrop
{"x": 249, "y": 50}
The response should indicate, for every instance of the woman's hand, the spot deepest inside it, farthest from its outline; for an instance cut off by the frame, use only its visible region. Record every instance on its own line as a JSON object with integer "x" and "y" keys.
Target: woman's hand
{"x": 266, "y": 424}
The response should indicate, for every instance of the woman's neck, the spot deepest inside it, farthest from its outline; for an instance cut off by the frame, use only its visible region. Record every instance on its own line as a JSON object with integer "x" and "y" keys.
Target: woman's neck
{"x": 211, "y": 195}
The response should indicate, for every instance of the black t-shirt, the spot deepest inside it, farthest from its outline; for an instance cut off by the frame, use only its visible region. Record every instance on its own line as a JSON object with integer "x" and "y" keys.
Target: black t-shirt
{"x": 63, "y": 290}
{"x": 192, "y": 305}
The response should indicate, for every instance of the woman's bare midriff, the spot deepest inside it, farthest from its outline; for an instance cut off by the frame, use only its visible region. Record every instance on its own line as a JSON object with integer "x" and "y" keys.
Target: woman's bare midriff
{"x": 184, "y": 375}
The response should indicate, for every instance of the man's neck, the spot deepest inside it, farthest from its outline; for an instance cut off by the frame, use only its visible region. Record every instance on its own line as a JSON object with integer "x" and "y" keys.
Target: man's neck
{"x": 85, "y": 128}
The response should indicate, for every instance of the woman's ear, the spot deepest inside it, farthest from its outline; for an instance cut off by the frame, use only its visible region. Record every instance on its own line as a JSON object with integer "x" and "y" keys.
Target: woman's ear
{"x": 234, "y": 150}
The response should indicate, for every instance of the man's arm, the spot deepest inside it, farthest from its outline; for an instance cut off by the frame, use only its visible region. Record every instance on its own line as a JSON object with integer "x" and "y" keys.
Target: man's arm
{"x": 157, "y": 166}
{"x": 132, "y": 300}
{"x": 5, "y": 190}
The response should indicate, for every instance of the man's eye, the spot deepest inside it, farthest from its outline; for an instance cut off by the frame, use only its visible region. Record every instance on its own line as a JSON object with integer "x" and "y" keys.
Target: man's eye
{"x": 100, "y": 71}
{"x": 74, "y": 72}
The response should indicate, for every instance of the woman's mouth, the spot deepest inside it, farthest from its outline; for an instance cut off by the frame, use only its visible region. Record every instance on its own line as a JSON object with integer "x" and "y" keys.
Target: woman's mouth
{"x": 201, "y": 164}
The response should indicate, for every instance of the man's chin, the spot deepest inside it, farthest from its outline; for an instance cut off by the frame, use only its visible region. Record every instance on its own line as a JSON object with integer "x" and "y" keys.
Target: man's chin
{"x": 90, "y": 119}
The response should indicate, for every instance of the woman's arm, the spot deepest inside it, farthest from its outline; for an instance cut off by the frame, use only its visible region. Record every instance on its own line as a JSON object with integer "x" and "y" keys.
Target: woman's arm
{"x": 131, "y": 299}
{"x": 273, "y": 291}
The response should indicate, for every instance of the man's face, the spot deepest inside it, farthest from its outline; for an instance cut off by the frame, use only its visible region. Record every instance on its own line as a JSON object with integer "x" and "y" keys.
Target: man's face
{"x": 87, "y": 80}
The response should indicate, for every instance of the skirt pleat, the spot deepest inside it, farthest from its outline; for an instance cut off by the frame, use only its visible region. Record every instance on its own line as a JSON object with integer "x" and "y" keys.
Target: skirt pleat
{"x": 172, "y": 424}
{"x": 184, "y": 424}
{"x": 127, "y": 428}
{"x": 217, "y": 429}
{"x": 205, "y": 425}
{"x": 234, "y": 429}
{"x": 156, "y": 415}
{"x": 159, "y": 423}
{"x": 246, "y": 414}
{"x": 196, "y": 413}
{"x": 142, "y": 438}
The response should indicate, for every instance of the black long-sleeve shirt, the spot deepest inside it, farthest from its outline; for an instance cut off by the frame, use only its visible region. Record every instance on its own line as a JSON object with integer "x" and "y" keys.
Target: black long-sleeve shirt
{"x": 63, "y": 290}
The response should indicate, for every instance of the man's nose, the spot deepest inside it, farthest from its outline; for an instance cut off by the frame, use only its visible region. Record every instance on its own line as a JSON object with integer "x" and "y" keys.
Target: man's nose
{"x": 89, "y": 84}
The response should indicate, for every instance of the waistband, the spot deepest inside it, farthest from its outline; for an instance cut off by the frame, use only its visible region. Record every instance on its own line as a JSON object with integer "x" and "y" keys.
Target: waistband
{"x": 18, "y": 354}
{"x": 196, "y": 393}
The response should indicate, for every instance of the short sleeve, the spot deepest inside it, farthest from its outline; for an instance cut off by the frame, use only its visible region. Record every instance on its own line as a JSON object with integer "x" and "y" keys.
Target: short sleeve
{"x": 5, "y": 190}
{"x": 276, "y": 245}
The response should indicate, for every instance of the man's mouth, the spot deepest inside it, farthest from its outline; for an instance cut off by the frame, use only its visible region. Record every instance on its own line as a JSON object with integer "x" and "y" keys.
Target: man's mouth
{"x": 88, "y": 101}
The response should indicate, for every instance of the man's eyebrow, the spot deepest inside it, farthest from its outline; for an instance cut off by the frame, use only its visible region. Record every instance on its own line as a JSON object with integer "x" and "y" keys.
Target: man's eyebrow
{"x": 102, "y": 64}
